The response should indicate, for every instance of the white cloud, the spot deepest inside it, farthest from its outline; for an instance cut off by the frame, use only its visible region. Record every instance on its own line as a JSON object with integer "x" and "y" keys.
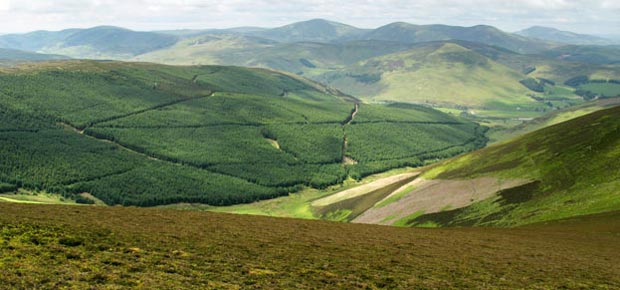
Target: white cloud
{"x": 5, "y": 5}
{"x": 593, "y": 16}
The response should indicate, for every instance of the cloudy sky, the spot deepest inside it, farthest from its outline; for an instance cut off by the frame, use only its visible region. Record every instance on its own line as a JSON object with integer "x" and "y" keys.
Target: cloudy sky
{"x": 585, "y": 16}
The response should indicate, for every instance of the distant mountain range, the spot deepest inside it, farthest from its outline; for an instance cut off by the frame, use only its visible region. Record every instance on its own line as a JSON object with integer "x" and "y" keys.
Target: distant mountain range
{"x": 96, "y": 42}
{"x": 120, "y": 43}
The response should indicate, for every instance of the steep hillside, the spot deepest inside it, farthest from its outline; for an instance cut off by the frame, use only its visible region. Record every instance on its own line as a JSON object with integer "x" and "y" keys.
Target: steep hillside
{"x": 144, "y": 134}
{"x": 405, "y": 32}
{"x": 315, "y": 30}
{"x": 564, "y": 170}
{"x": 115, "y": 247}
{"x": 556, "y": 35}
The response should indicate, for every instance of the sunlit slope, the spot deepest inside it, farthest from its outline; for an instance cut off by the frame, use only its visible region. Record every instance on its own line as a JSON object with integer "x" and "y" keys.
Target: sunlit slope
{"x": 572, "y": 167}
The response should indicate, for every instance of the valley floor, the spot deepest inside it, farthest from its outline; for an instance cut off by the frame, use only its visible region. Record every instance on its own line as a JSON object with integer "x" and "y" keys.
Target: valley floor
{"x": 57, "y": 246}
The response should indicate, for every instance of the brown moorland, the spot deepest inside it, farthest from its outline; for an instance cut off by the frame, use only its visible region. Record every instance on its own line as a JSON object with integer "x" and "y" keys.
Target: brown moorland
{"x": 54, "y": 246}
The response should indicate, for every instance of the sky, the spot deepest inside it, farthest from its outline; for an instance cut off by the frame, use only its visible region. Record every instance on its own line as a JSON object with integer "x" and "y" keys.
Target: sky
{"x": 600, "y": 17}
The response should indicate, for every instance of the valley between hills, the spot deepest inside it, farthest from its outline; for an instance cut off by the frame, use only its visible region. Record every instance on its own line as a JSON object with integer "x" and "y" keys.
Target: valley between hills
{"x": 312, "y": 155}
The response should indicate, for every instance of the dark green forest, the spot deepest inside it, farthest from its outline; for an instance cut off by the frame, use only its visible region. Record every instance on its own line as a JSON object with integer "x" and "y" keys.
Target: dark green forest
{"x": 146, "y": 135}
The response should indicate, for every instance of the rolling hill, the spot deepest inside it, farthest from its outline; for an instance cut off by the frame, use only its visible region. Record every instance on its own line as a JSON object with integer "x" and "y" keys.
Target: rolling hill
{"x": 34, "y": 41}
{"x": 410, "y": 33}
{"x": 304, "y": 58}
{"x": 368, "y": 63}
{"x": 556, "y": 35}
{"x": 145, "y": 134}
{"x": 208, "y": 49}
{"x": 590, "y": 54}
{"x": 315, "y": 30}
{"x": 439, "y": 73}
{"x": 97, "y": 42}
{"x": 20, "y": 55}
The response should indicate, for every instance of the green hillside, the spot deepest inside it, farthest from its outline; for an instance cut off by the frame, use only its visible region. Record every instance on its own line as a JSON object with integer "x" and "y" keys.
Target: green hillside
{"x": 445, "y": 74}
{"x": 564, "y": 170}
{"x": 144, "y": 134}
{"x": 571, "y": 168}
{"x": 502, "y": 133}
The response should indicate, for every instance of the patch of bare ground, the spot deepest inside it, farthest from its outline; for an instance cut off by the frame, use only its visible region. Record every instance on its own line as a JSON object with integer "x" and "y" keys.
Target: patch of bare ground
{"x": 363, "y": 189}
{"x": 273, "y": 143}
{"x": 348, "y": 161}
{"x": 89, "y": 196}
{"x": 431, "y": 196}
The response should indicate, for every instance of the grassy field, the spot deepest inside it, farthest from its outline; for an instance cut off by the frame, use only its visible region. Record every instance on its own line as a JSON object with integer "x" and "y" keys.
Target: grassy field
{"x": 112, "y": 247}
{"x": 24, "y": 196}
{"x": 602, "y": 89}
{"x": 503, "y": 132}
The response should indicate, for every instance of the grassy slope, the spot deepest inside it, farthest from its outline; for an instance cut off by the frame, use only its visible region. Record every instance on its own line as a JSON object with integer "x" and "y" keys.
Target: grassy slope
{"x": 81, "y": 247}
{"x": 573, "y": 165}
